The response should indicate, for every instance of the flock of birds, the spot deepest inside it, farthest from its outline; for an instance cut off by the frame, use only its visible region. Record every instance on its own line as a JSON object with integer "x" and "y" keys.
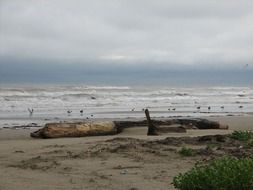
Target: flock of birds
{"x": 31, "y": 110}
{"x": 81, "y": 113}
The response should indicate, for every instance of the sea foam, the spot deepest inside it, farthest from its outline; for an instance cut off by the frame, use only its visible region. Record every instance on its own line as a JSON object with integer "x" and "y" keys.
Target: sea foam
{"x": 49, "y": 101}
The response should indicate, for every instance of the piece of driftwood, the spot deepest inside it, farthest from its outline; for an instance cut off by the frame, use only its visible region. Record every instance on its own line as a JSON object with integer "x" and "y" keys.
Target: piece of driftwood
{"x": 156, "y": 130}
{"x": 193, "y": 123}
{"x": 155, "y": 127}
{"x": 152, "y": 129}
{"x": 175, "y": 128}
{"x": 56, "y": 130}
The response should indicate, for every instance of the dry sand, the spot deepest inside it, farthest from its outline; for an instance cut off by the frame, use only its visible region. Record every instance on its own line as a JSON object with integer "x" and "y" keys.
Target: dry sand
{"x": 128, "y": 161}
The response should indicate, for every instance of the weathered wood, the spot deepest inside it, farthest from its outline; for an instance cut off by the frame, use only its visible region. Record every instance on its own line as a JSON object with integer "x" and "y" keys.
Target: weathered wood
{"x": 174, "y": 128}
{"x": 55, "y": 130}
{"x": 155, "y": 127}
{"x": 187, "y": 123}
{"x": 152, "y": 129}
{"x": 201, "y": 123}
{"x": 156, "y": 130}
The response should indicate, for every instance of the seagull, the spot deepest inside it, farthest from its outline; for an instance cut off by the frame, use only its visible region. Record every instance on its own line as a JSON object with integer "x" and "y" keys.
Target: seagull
{"x": 209, "y": 107}
{"x": 222, "y": 107}
{"x": 30, "y": 111}
{"x": 198, "y": 107}
{"x": 69, "y": 112}
{"x": 174, "y": 109}
{"x": 245, "y": 66}
{"x": 240, "y": 106}
{"x": 81, "y": 111}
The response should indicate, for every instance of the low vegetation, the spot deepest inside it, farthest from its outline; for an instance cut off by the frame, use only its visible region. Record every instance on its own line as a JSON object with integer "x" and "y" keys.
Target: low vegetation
{"x": 212, "y": 146}
{"x": 186, "y": 152}
{"x": 227, "y": 173}
{"x": 249, "y": 144}
{"x": 242, "y": 135}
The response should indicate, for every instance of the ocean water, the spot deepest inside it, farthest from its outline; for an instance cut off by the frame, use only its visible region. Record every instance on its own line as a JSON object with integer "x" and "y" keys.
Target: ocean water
{"x": 54, "y": 101}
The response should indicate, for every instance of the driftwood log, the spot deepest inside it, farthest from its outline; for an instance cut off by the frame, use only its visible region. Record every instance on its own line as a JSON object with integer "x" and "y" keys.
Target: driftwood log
{"x": 156, "y": 130}
{"x": 56, "y": 130}
{"x": 193, "y": 123}
{"x": 155, "y": 127}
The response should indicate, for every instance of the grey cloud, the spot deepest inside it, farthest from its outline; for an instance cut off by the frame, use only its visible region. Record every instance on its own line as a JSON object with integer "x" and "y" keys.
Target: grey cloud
{"x": 133, "y": 32}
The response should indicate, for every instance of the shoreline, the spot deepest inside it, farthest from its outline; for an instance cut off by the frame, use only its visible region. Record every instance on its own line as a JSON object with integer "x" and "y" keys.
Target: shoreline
{"x": 9, "y": 122}
{"x": 244, "y": 122}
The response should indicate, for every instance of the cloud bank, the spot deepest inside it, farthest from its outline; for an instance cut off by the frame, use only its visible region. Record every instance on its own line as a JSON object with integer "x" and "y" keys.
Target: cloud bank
{"x": 162, "y": 33}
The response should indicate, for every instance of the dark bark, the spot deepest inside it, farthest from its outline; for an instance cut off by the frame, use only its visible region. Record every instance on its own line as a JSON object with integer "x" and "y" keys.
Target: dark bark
{"x": 152, "y": 129}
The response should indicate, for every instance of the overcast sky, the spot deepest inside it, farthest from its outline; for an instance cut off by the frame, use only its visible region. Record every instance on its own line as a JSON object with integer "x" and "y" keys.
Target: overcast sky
{"x": 164, "y": 33}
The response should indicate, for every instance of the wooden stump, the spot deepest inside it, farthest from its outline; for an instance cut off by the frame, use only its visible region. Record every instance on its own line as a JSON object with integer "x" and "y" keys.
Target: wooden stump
{"x": 152, "y": 129}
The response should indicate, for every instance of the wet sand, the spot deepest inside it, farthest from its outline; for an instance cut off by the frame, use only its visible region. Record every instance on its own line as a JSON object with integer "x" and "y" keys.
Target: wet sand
{"x": 128, "y": 161}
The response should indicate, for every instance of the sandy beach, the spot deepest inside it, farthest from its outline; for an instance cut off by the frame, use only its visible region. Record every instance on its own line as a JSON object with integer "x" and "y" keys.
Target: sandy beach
{"x": 129, "y": 161}
{"x": 125, "y": 95}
